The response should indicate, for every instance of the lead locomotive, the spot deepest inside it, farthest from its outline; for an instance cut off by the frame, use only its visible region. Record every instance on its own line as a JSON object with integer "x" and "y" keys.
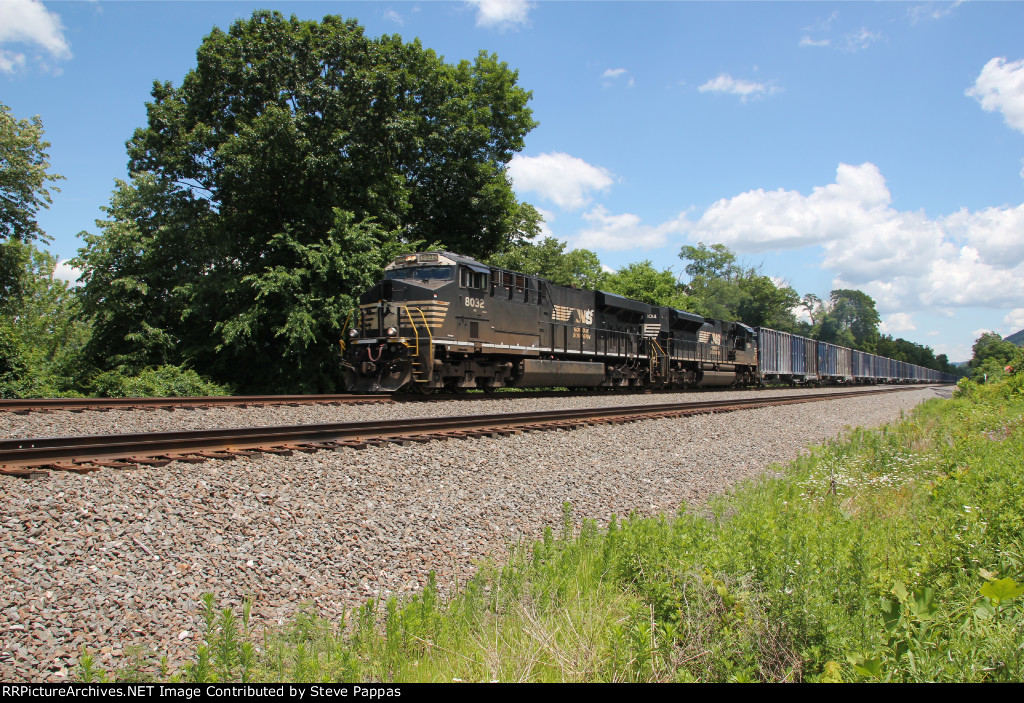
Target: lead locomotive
{"x": 440, "y": 320}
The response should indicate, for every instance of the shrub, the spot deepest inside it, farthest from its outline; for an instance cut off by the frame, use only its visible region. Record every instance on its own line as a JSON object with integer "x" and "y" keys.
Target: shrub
{"x": 163, "y": 381}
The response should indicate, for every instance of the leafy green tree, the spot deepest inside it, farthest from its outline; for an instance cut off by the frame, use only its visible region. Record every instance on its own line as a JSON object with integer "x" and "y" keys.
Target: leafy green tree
{"x": 274, "y": 184}
{"x": 23, "y": 176}
{"x": 269, "y": 327}
{"x": 548, "y": 259}
{"x": 855, "y": 310}
{"x": 282, "y": 121}
{"x": 721, "y": 288}
{"x": 814, "y": 307}
{"x": 765, "y": 304}
{"x": 641, "y": 281}
{"x": 41, "y": 331}
{"x": 715, "y": 261}
{"x": 991, "y": 355}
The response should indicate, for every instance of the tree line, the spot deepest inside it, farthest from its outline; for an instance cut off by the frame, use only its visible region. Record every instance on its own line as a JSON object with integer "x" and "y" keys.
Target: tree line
{"x": 274, "y": 184}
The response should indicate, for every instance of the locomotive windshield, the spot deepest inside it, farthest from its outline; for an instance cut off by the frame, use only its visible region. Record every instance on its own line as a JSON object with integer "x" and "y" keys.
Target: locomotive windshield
{"x": 422, "y": 273}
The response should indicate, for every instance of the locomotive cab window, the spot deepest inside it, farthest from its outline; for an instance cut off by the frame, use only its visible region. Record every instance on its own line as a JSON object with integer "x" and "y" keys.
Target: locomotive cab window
{"x": 421, "y": 273}
{"x": 468, "y": 278}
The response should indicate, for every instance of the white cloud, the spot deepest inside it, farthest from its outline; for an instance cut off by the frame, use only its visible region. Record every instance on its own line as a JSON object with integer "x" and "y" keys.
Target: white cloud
{"x": 625, "y": 231}
{"x": 850, "y": 41}
{"x": 807, "y": 41}
{"x": 29, "y": 22}
{"x": 565, "y": 180}
{"x": 724, "y": 83}
{"x": 392, "y": 16}
{"x": 905, "y": 260}
{"x": 859, "y": 39}
{"x": 1000, "y": 86}
{"x": 931, "y": 11}
{"x": 996, "y": 233}
{"x": 760, "y": 220}
{"x": 64, "y": 271}
{"x": 897, "y": 322}
{"x": 11, "y": 61}
{"x": 611, "y": 75}
{"x": 1015, "y": 319}
{"x": 500, "y": 14}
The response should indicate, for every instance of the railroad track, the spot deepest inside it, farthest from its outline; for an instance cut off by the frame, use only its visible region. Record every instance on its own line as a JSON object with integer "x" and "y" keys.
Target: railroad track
{"x": 45, "y": 405}
{"x": 23, "y": 406}
{"x": 34, "y": 457}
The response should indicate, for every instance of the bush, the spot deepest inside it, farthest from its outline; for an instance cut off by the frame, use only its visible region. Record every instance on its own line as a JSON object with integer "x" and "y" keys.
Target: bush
{"x": 163, "y": 381}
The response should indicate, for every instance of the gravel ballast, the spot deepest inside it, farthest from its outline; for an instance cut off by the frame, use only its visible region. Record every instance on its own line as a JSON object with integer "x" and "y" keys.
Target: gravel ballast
{"x": 119, "y": 558}
{"x": 63, "y": 423}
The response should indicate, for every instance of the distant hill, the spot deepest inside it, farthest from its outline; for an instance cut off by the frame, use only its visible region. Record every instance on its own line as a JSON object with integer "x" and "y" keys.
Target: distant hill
{"x": 1017, "y": 338}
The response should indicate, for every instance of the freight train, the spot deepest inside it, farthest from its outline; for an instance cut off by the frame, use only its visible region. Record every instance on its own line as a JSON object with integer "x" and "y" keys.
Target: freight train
{"x": 443, "y": 321}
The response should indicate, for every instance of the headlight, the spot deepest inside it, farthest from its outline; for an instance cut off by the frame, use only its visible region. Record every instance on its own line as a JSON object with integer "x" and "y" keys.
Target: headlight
{"x": 353, "y": 333}
{"x": 391, "y": 332}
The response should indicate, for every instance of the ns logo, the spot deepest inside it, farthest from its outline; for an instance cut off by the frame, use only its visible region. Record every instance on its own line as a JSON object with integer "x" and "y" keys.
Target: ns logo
{"x": 563, "y": 313}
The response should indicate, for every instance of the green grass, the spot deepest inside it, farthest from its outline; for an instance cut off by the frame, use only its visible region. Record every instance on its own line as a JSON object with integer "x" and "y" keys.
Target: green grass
{"x": 895, "y": 554}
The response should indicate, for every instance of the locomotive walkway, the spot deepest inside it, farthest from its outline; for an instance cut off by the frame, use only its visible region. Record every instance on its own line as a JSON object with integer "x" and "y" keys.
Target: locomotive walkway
{"x": 34, "y": 457}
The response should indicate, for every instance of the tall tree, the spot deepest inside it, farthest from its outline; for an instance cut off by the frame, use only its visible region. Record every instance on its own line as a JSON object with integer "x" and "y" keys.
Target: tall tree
{"x": 641, "y": 281}
{"x": 24, "y": 176}
{"x": 991, "y": 355}
{"x": 41, "y": 331}
{"x": 855, "y": 310}
{"x": 719, "y": 287}
{"x": 279, "y": 178}
{"x": 715, "y": 261}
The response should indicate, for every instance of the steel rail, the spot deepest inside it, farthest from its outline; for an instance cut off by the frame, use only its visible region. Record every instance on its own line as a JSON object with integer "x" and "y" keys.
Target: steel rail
{"x": 79, "y": 404}
{"x": 28, "y": 405}
{"x": 162, "y": 447}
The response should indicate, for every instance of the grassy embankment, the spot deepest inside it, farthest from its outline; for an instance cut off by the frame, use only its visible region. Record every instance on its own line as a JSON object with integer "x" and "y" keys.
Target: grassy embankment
{"x": 896, "y": 554}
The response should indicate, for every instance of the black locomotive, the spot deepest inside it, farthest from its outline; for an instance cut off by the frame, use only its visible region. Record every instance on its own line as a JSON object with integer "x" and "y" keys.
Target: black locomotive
{"x": 440, "y": 320}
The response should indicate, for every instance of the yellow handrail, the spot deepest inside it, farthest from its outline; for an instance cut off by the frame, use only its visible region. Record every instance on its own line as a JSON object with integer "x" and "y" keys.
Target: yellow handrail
{"x": 416, "y": 331}
{"x": 344, "y": 328}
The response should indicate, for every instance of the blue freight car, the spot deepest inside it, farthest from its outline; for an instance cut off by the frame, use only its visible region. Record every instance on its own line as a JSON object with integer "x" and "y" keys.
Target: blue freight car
{"x": 791, "y": 358}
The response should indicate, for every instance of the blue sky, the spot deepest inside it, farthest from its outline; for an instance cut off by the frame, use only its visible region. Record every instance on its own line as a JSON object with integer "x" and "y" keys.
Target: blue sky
{"x": 877, "y": 146}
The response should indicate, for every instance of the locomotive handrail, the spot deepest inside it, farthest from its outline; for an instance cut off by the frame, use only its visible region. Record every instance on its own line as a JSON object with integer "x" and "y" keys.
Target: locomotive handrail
{"x": 416, "y": 332}
{"x": 344, "y": 328}
{"x": 661, "y": 358}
